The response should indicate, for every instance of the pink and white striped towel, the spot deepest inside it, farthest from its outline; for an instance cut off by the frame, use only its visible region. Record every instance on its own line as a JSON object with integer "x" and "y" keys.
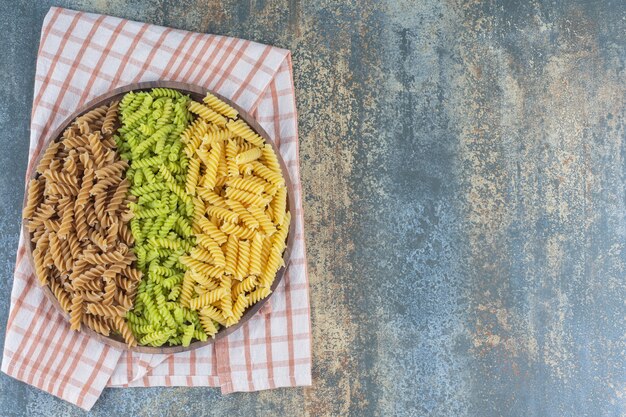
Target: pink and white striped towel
{"x": 82, "y": 56}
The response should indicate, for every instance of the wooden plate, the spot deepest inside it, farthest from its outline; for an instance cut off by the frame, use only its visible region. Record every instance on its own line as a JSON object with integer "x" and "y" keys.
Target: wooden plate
{"x": 196, "y": 93}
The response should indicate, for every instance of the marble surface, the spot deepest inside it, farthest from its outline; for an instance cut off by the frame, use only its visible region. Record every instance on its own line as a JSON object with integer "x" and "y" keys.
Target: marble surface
{"x": 463, "y": 167}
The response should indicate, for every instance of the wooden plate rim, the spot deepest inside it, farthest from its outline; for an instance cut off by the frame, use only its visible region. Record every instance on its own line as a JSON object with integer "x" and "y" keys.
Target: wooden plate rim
{"x": 197, "y": 93}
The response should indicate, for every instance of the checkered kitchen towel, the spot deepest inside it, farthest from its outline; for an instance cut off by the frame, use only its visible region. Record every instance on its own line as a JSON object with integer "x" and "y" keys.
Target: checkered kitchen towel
{"x": 81, "y": 56}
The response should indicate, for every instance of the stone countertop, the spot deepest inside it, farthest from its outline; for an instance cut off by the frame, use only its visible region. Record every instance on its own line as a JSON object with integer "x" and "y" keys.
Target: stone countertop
{"x": 463, "y": 171}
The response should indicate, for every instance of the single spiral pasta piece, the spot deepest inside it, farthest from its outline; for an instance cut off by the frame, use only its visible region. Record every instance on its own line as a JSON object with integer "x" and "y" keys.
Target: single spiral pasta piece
{"x": 165, "y": 92}
{"x": 249, "y": 184}
{"x": 123, "y": 300}
{"x": 274, "y": 263}
{"x": 259, "y": 294}
{"x": 198, "y": 128}
{"x": 222, "y": 169}
{"x": 243, "y": 260}
{"x": 223, "y": 214}
{"x": 248, "y": 156}
{"x": 201, "y": 267}
{"x": 239, "y": 231}
{"x": 98, "y": 324}
{"x": 83, "y": 278}
{"x": 219, "y": 106}
{"x": 193, "y": 174}
{"x": 155, "y": 212}
{"x": 76, "y": 312}
{"x": 207, "y": 298}
{"x": 75, "y": 247}
{"x": 124, "y": 283}
{"x": 211, "y": 161}
{"x": 185, "y": 339}
{"x": 206, "y": 113}
{"x": 246, "y": 217}
{"x": 111, "y": 235}
{"x": 278, "y": 240}
{"x": 75, "y": 142}
{"x": 48, "y": 156}
{"x": 186, "y": 292}
{"x": 90, "y": 214}
{"x": 270, "y": 160}
{"x": 87, "y": 184}
{"x": 255, "y": 255}
{"x": 61, "y": 177}
{"x": 92, "y": 296}
{"x": 93, "y": 116}
{"x": 264, "y": 220}
{"x": 267, "y": 174}
{"x": 215, "y": 135}
{"x": 96, "y": 148}
{"x": 35, "y": 196}
{"x": 109, "y": 293}
{"x": 42, "y": 213}
{"x": 103, "y": 185}
{"x": 66, "y": 223}
{"x": 142, "y": 328}
{"x": 70, "y": 164}
{"x": 126, "y": 234}
{"x": 147, "y": 162}
{"x": 99, "y": 206}
{"x": 213, "y": 231}
{"x": 198, "y": 213}
{"x": 41, "y": 266}
{"x": 240, "y": 305}
{"x": 201, "y": 254}
{"x": 133, "y": 274}
{"x": 105, "y": 310}
{"x": 214, "y": 249}
{"x": 212, "y": 313}
{"x": 52, "y": 225}
{"x": 146, "y": 189}
{"x": 122, "y": 327}
{"x": 231, "y": 155}
{"x": 207, "y": 323}
{"x": 56, "y": 251}
{"x": 99, "y": 240}
{"x": 110, "y": 118}
{"x": 211, "y": 197}
{"x": 59, "y": 189}
{"x": 118, "y": 197}
{"x": 247, "y": 285}
{"x": 246, "y": 198}
{"x": 67, "y": 257}
{"x": 279, "y": 206}
{"x": 226, "y": 302}
{"x": 114, "y": 169}
{"x": 241, "y": 128}
{"x": 61, "y": 295}
{"x": 232, "y": 248}
{"x": 82, "y": 228}
{"x": 154, "y": 337}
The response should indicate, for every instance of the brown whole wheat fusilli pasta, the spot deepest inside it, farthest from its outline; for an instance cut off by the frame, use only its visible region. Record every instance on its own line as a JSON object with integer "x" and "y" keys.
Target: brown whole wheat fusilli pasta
{"x": 77, "y": 214}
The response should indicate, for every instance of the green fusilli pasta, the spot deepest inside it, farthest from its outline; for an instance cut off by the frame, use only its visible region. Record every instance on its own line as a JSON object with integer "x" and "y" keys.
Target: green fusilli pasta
{"x": 152, "y": 123}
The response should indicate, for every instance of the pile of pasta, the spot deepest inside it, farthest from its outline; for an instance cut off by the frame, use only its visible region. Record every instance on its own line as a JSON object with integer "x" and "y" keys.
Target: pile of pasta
{"x": 77, "y": 214}
{"x": 159, "y": 218}
{"x": 152, "y": 123}
{"x": 239, "y": 215}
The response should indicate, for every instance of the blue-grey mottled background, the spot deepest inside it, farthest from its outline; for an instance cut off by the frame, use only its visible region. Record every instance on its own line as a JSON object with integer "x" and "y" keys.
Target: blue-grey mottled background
{"x": 463, "y": 166}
